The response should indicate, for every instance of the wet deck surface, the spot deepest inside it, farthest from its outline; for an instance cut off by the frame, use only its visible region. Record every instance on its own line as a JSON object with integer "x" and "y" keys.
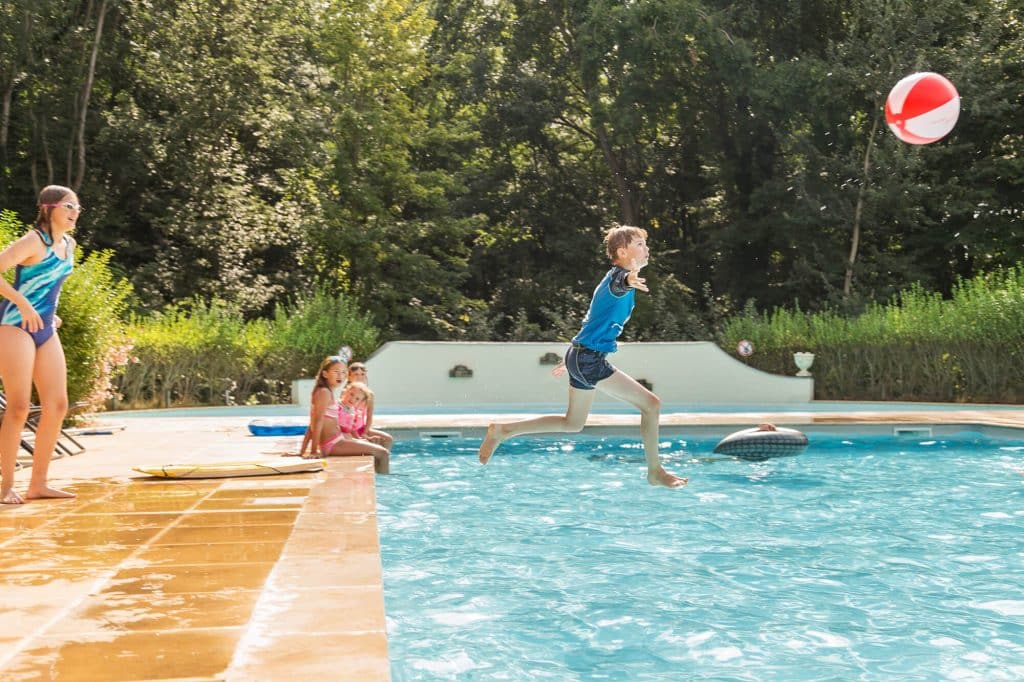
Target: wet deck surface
{"x": 270, "y": 578}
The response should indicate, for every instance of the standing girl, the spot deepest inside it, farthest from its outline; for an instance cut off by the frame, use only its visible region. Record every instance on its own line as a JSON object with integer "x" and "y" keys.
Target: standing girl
{"x": 30, "y": 350}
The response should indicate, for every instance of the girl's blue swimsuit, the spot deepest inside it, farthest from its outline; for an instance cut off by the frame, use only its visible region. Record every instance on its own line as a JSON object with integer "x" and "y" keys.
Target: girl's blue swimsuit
{"x": 40, "y": 284}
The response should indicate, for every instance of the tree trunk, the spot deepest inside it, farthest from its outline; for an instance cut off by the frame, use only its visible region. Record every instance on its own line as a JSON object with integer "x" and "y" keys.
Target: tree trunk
{"x": 5, "y": 123}
{"x": 8, "y": 96}
{"x": 46, "y": 152}
{"x": 86, "y": 94}
{"x": 627, "y": 201}
{"x": 590, "y": 90}
{"x": 859, "y": 210}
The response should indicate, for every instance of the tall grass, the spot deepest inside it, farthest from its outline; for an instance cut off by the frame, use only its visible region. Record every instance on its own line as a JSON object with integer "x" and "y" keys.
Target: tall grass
{"x": 201, "y": 353}
{"x": 919, "y": 346}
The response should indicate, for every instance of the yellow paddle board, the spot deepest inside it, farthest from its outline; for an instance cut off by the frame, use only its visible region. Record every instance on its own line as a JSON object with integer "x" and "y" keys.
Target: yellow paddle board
{"x": 260, "y": 467}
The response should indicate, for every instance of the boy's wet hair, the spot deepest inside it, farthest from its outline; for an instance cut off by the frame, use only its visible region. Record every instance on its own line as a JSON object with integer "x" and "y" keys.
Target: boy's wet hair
{"x": 620, "y": 237}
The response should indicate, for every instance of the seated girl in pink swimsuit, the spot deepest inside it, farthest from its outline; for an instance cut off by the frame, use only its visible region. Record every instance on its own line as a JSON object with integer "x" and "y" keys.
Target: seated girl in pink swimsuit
{"x": 352, "y": 413}
{"x": 357, "y": 371}
{"x": 337, "y": 428}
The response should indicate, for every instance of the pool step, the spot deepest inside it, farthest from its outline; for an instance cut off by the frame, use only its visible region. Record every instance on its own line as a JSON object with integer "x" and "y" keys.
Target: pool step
{"x": 912, "y": 431}
{"x": 433, "y": 435}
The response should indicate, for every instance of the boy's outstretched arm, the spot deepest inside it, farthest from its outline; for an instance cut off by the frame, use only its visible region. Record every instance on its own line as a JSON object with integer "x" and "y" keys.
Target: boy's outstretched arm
{"x": 634, "y": 279}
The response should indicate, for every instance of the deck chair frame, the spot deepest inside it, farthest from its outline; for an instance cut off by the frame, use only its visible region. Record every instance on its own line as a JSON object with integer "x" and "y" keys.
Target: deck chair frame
{"x": 66, "y": 444}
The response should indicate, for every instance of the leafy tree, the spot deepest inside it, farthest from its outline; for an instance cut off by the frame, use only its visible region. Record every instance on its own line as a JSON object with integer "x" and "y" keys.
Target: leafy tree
{"x": 389, "y": 236}
{"x": 450, "y": 165}
{"x": 211, "y": 122}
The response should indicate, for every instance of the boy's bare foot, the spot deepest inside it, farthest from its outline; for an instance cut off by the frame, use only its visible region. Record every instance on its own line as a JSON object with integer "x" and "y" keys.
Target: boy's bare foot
{"x": 46, "y": 492}
{"x": 662, "y": 477}
{"x": 491, "y": 441}
{"x": 11, "y": 497}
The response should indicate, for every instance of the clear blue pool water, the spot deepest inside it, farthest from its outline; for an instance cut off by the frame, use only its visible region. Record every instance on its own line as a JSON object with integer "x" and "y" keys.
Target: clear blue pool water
{"x": 868, "y": 558}
{"x": 599, "y": 408}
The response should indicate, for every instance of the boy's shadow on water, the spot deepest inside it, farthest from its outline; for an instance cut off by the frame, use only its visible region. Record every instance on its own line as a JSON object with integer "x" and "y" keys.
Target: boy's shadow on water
{"x": 765, "y": 473}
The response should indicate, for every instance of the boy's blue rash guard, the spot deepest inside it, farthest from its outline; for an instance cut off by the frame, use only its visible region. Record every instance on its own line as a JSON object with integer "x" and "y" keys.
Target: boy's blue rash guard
{"x": 609, "y": 311}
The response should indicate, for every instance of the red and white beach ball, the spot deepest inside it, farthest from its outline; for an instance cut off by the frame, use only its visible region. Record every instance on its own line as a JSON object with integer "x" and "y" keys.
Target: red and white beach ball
{"x": 922, "y": 108}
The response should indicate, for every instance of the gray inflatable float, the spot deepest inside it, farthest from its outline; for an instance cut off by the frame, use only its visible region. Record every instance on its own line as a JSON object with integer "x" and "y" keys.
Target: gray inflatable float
{"x": 757, "y": 445}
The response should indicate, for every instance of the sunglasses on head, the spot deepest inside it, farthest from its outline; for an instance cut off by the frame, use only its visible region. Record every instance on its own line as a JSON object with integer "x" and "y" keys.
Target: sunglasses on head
{"x": 68, "y": 205}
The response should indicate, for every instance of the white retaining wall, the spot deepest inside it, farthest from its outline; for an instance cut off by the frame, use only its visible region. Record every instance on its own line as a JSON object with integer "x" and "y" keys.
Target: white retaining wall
{"x": 416, "y": 374}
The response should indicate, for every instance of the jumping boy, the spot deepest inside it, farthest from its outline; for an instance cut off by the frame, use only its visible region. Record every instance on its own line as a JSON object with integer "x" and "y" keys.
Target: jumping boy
{"x": 587, "y": 364}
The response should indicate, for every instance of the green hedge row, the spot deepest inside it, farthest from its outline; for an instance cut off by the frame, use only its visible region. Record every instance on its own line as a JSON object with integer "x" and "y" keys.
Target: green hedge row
{"x": 200, "y": 353}
{"x": 194, "y": 353}
{"x": 918, "y": 347}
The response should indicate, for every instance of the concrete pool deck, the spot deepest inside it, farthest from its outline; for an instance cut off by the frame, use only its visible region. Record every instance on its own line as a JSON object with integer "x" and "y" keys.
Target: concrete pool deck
{"x": 269, "y": 578}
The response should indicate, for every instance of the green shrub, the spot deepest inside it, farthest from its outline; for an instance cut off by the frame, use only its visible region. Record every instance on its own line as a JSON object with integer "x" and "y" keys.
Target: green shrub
{"x": 199, "y": 353}
{"x": 10, "y": 229}
{"x": 917, "y": 347}
{"x": 92, "y": 302}
{"x": 96, "y": 346}
{"x": 312, "y": 327}
{"x": 191, "y": 353}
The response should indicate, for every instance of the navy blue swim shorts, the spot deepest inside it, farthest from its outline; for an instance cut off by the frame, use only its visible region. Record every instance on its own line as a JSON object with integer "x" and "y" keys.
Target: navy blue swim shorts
{"x": 586, "y": 367}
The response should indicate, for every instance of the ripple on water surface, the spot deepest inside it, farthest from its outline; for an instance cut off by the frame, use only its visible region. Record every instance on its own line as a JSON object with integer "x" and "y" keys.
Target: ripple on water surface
{"x": 862, "y": 557}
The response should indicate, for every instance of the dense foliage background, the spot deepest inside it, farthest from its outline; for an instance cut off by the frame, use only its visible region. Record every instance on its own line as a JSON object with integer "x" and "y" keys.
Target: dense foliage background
{"x": 449, "y": 165}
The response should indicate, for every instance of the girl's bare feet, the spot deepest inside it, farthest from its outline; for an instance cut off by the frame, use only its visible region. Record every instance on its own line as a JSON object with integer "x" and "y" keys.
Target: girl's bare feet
{"x": 11, "y": 497}
{"x": 662, "y": 477}
{"x": 46, "y": 492}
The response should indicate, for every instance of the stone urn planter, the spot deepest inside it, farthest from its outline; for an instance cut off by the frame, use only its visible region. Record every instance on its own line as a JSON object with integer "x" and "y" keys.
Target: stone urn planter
{"x": 803, "y": 362}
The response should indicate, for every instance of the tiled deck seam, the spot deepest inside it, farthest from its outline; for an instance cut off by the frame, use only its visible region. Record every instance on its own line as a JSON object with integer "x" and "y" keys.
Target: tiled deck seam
{"x": 340, "y": 606}
{"x": 102, "y": 578}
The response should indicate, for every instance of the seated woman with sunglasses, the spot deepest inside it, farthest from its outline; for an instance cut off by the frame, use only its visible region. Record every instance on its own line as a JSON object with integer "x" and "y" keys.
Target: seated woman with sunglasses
{"x": 327, "y": 419}
{"x": 30, "y": 349}
{"x": 357, "y": 372}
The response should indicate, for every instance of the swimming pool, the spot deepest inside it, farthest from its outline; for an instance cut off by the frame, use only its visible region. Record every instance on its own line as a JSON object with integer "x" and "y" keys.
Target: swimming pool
{"x": 557, "y": 408}
{"x": 867, "y": 557}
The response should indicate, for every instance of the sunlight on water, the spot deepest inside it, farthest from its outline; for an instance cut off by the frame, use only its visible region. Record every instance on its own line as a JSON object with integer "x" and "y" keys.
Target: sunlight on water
{"x": 864, "y": 557}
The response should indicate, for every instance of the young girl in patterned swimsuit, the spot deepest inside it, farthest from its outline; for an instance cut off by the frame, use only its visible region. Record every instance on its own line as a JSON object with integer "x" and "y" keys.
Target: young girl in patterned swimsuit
{"x": 357, "y": 372}
{"x": 30, "y": 349}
